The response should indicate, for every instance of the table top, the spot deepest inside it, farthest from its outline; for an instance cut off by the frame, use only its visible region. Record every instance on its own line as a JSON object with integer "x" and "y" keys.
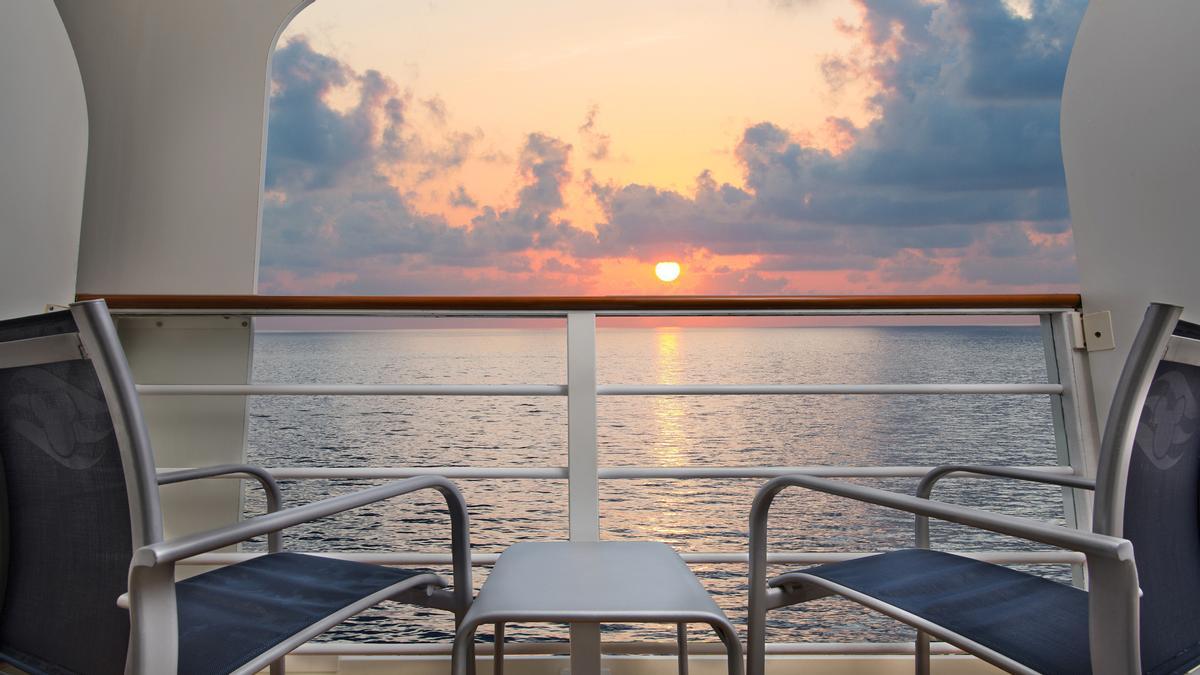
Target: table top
{"x": 607, "y": 581}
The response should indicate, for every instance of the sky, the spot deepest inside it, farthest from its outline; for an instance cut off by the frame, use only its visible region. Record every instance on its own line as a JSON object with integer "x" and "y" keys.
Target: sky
{"x": 768, "y": 146}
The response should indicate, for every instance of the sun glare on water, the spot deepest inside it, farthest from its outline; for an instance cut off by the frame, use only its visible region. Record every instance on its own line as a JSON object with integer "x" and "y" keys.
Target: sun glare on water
{"x": 667, "y": 271}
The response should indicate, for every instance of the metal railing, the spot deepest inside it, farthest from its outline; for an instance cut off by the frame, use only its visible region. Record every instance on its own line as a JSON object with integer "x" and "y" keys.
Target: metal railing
{"x": 1067, "y": 388}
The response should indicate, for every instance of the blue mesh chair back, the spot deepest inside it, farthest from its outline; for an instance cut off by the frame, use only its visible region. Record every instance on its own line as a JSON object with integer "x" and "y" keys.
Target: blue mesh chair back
{"x": 65, "y": 533}
{"x": 1162, "y": 515}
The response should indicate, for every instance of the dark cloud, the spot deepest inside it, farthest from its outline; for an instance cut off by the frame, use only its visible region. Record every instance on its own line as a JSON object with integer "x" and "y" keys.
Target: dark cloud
{"x": 456, "y": 149}
{"x": 959, "y": 175}
{"x": 642, "y": 220}
{"x": 948, "y": 121}
{"x": 909, "y": 268}
{"x": 955, "y": 148}
{"x": 345, "y": 221}
{"x": 937, "y": 165}
{"x": 1008, "y": 254}
{"x": 557, "y": 266}
{"x": 543, "y": 163}
{"x": 334, "y": 228}
{"x": 367, "y": 219}
{"x": 310, "y": 145}
{"x": 460, "y": 198}
{"x": 1011, "y": 57}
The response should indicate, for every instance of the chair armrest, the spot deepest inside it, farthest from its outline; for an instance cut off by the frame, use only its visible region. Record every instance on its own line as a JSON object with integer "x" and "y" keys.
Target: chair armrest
{"x": 1076, "y": 540}
{"x": 1113, "y": 595}
{"x": 152, "y": 607}
{"x": 202, "y": 542}
{"x": 264, "y": 478}
{"x": 164, "y": 554}
{"x": 925, "y": 487}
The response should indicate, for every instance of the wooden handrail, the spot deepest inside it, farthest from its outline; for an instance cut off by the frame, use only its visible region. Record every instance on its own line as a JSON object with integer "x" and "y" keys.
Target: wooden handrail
{"x": 632, "y": 303}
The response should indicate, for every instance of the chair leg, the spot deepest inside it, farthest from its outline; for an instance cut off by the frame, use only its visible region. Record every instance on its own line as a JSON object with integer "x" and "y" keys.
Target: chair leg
{"x": 681, "y": 638}
{"x": 756, "y": 629}
{"x": 277, "y": 666}
{"x": 922, "y": 653}
{"x": 498, "y": 655}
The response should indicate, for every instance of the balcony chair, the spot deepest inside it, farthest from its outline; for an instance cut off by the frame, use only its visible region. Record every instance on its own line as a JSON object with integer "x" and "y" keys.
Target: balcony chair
{"x": 81, "y": 526}
{"x": 1146, "y": 496}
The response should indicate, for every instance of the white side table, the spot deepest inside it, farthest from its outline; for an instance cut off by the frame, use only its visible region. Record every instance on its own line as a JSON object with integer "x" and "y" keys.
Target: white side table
{"x": 593, "y": 582}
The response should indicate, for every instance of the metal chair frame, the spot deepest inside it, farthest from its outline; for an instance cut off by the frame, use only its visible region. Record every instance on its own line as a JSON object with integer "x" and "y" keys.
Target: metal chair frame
{"x": 154, "y": 631}
{"x": 1113, "y": 594}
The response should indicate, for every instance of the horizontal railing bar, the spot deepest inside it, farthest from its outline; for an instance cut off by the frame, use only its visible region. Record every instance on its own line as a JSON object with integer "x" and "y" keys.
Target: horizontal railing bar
{"x": 704, "y": 648}
{"x": 697, "y": 558}
{"x": 394, "y": 473}
{"x": 651, "y": 472}
{"x": 258, "y": 304}
{"x": 1001, "y": 311}
{"x": 601, "y": 390}
{"x": 561, "y": 314}
{"x": 611, "y": 473}
{"x": 820, "y": 389}
{"x": 352, "y": 389}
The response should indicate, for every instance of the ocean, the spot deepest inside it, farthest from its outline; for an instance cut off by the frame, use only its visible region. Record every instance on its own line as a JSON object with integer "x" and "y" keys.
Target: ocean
{"x": 691, "y": 515}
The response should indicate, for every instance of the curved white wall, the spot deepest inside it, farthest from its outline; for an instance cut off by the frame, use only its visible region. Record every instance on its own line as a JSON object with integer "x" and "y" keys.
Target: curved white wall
{"x": 176, "y": 93}
{"x": 43, "y": 153}
{"x": 1131, "y": 147}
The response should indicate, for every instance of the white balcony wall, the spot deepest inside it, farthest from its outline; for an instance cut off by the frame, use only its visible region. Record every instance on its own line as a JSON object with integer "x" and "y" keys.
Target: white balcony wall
{"x": 176, "y": 93}
{"x": 1131, "y": 146}
{"x": 43, "y": 152}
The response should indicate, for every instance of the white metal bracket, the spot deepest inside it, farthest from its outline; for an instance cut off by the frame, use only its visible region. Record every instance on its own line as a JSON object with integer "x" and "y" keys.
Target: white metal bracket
{"x": 1092, "y": 331}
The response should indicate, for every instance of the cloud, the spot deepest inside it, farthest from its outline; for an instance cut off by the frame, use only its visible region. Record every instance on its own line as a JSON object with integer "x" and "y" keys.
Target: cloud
{"x": 598, "y": 143}
{"x": 310, "y": 144}
{"x": 436, "y": 108}
{"x": 956, "y": 182}
{"x": 366, "y": 219}
{"x": 909, "y": 267}
{"x": 456, "y": 149}
{"x": 1013, "y": 253}
{"x": 543, "y": 163}
{"x": 952, "y": 116}
{"x": 953, "y": 150}
{"x": 334, "y": 219}
{"x": 460, "y": 198}
{"x": 1013, "y": 57}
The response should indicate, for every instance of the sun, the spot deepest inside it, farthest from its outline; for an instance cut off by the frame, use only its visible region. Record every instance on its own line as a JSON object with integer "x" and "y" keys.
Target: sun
{"x": 667, "y": 271}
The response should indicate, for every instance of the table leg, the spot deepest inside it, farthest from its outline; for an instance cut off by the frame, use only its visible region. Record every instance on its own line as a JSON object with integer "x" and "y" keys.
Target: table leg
{"x": 733, "y": 647}
{"x": 498, "y": 655}
{"x": 585, "y": 649}
{"x": 922, "y": 655}
{"x": 681, "y": 638}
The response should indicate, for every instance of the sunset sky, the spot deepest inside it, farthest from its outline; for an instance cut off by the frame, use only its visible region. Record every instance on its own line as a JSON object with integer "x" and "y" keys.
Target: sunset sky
{"x": 768, "y": 146}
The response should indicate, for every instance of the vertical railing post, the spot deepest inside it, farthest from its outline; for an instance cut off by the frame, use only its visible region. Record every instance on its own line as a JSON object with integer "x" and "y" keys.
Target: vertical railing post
{"x": 582, "y": 464}
{"x": 1076, "y": 432}
{"x": 583, "y": 487}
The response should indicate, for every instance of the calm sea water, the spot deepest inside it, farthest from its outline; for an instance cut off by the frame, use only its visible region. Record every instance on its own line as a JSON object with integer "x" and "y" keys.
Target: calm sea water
{"x": 692, "y": 515}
